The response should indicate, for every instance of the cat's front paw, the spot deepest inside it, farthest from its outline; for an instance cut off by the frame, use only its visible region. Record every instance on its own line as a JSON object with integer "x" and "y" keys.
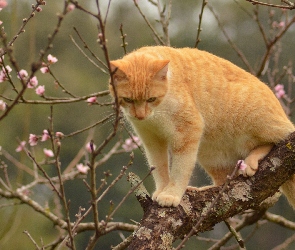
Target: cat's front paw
{"x": 156, "y": 193}
{"x": 247, "y": 167}
{"x": 167, "y": 200}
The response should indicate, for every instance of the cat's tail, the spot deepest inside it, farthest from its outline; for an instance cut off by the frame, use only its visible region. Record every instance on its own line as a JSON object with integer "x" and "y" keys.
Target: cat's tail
{"x": 288, "y": 189}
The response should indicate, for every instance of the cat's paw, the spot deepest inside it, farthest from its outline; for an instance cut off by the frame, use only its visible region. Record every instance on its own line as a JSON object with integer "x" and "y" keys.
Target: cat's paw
{"x": 247, "y": 167}
{"x": 196, "y": 189}
{"x": 166, "y": 199}
{"x": 156, "y": 193}
{"x": 192, "y": 189}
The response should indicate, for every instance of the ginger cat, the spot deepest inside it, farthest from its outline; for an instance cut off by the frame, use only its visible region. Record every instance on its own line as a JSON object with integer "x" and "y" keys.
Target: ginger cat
{"x": 200, "y": 108}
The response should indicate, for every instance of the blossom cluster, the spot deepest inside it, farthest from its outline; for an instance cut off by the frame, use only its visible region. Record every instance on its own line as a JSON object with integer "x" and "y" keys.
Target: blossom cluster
{"x": 34, "y": 139}
{"x": 46, "y": 135}
{"x": 32, "y": 83}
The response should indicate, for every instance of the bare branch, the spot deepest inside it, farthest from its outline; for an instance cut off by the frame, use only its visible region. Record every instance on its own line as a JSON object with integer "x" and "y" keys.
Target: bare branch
{"x": 239, "y": 195}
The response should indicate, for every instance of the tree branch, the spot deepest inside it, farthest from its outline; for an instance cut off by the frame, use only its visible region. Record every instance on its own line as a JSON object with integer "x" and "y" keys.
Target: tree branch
{"x": 161, "y": 226}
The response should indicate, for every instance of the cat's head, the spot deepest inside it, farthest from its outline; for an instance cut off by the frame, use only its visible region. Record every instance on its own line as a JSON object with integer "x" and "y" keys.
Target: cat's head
{"x": 140, "y": 83}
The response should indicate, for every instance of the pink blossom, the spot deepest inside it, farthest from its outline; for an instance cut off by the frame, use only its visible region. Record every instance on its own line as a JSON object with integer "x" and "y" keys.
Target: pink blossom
{"x": 45, "y": 135}
{"x": 3, "y": 73}
{"x": 1, "y": 22}
{"x": 21, "y": 146}
{"x": 88, "y": 147}
{"x": 38, "y": 9}
{"x": 40, "y": 90}
{"x": 282, "y": 24}
{"x": 33, "y": 140}
{"x": 51, "y": 59}
{"x": 82, "y": 168}
{"x": 48, "y": 152}
{"x": 2, "y": 76}
{"x": 279, "y": 91}
{"x": 59, "y": 134}
{"x": 71, "y": 7}
{"x": 9, "y": 69}
{"x": 91, "y": 99}
{"x": 242, "y": 164}
{"x": 3, "y": 3}
{"x": 22, "y": 74}
{"x": 279, "y": 87}
{"x": 2, "y": 105}
{"x": 131, "y": 143}
{"x": 33, "y": 82}
{"x": 44, "y": 70}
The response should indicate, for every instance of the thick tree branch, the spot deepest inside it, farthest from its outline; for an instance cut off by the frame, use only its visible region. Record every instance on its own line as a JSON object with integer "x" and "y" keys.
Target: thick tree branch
{"x": 160, "y": 227}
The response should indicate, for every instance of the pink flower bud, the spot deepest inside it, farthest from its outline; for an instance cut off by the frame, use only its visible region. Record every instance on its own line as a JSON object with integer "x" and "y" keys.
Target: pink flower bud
{"x": 45, "y": 135}
{"x": 88, "y": 147}
{"x": 279, "y": 87}
{"x": 3, "y": 3}
{"x": 59, "y": 134}
{"x": 21, "y": 146}
{"x": 71, "y": 7}
{"x": 82, "y": 168}
{"x": 242, "y": 164}
{"x": 44, "y": 70}
{"x": 279, "y": 91}
{"x": 48, "y": 152}
{"x": 2, "y": 105}
{"x": 91, "y": 99}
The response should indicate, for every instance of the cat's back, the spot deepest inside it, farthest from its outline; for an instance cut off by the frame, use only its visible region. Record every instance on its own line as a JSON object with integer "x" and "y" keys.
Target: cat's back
{"x": 228, "y": 98}
{"x": 192, "y": 66}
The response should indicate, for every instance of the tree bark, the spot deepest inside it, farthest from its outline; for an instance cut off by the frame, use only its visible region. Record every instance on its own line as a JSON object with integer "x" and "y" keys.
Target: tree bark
{"x": 161, "y": 226}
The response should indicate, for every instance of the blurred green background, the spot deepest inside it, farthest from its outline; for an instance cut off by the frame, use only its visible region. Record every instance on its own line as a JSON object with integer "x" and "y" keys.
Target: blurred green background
{"x": 78, "y": 75}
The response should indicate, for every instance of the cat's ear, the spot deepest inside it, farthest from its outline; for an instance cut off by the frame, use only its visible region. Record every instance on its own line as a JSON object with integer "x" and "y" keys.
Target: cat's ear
{"x": 117, "y": 70}
{"x": 161, "y": 69}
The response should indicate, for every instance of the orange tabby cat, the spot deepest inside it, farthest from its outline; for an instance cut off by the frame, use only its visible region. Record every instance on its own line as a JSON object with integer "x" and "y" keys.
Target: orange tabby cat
{"x": 200, "y": 108}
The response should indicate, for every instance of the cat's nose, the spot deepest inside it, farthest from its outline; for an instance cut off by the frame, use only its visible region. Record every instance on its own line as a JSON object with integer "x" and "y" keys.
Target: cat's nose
{"x": 139, "y": 117}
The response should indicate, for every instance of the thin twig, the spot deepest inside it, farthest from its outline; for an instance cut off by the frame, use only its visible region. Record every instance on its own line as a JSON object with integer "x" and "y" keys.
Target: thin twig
{"x": 289, "y": 5}
{"x": 87, "y": 47}
{"x": 44, "y": 173}
{"x": 130, "y": 192}
{"x": 235, "y": 234}
{"x": 159, "y": 39}
{"x": 123, "y": 37}
{"x": 198, "y": 39}
{"x": 22, "y": 28}
{"x": 31, "y": 238}
{"x": 231, "y": 43}
{"x": 90, "y": 127}
{"x": 88, "y": 58}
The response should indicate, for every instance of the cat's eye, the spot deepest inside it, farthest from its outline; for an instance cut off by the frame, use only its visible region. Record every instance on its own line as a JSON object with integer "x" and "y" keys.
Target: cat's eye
{"x": 128, "y": 100}
{"x": 152, "y": 99}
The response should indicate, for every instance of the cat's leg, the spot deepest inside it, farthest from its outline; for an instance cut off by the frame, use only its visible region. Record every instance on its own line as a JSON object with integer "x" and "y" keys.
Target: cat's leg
{"x": 184, "y": 157}
{"x": 157, "y": 155}
{"x": 218, "y": 175}
{"x": 251, "y": 161}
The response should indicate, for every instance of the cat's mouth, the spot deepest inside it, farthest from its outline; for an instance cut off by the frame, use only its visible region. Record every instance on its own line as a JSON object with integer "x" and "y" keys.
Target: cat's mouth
{"x": 138, "y": 117}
